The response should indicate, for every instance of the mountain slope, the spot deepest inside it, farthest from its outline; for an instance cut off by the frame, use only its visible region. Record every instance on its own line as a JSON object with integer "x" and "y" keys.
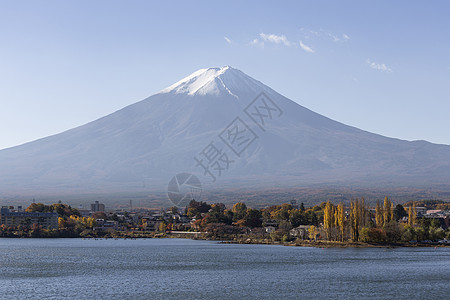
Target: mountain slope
{"x": 143, "y": 145}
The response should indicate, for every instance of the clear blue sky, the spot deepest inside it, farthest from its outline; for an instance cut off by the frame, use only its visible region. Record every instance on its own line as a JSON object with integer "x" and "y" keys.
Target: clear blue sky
{"x": 382, "y": 66}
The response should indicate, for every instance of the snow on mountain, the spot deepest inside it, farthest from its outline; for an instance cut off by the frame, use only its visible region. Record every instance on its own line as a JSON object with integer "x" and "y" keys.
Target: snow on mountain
{"x": 143, "y": 145}
{"x": 216, "y": 81}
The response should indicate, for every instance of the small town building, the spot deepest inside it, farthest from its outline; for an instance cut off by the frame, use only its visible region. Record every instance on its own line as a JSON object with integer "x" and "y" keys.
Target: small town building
{"x": 103, "y": 225}
{"x": 95, "y": 207}
{"x": 13, "y": 218}
{"x": 300, "y": 232}
{"x": 270, "y": 229}
{"x": 85, "y": 212}
{"x": 152, "y": 224}
{"x": 420, "y": 210}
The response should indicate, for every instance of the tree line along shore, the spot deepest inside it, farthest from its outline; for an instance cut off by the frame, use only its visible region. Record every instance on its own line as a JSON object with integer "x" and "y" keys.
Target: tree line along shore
{"x": 323, "y": 225}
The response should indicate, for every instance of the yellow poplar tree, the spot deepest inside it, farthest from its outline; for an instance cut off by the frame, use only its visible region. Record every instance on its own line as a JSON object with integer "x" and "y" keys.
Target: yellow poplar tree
{"x": 364, "y": 217}
{"x": 336, "y": 217}
{"x": 341, "y": 220}
{"x": 378, "y": 214}
{"x": 412, "y": 214}
{"x": 328, "y": 218}
{"x": 355, "y": 219}
{"x": 409, "y": 215}
{"x": 386, "y": 210}
{"x": 392, "y": 211}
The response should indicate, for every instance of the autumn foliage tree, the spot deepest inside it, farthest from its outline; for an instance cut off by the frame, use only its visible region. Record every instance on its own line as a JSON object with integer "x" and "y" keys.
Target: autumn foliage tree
{"x": 354, "y": 220}
{"x": 378, "y": 215}
{"x": 387, "y": 211}
{"x": 328, "y": 219}
{"x": 334, "y": 221}
{"x": 412, "y": 214}
{"x": 196, "y": 208}
{"x": 359, "y": 217}
{"x": 239, "y": 211}
{"x": 340, "y": 221}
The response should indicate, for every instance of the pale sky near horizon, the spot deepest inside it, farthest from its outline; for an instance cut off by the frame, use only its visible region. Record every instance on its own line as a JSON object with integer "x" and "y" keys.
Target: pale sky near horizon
{"x": 382, "y": 66}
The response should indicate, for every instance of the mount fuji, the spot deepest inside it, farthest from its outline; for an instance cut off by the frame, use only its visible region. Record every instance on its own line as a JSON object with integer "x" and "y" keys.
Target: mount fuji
{"x": 228, "y": 129}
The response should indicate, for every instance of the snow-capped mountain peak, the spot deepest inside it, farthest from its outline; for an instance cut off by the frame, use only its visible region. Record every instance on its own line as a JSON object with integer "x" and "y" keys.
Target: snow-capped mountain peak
{"x": 175, "y": 130}
{"x": 216, "y": 81}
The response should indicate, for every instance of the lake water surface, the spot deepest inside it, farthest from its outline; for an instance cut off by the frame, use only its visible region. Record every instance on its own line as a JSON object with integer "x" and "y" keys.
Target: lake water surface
{"x": 187, "y": 269}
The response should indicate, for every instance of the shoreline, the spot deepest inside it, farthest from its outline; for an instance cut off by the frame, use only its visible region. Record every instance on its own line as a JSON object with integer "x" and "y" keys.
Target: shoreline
{"x": 297, "y": 243}
{"x": 328, "y": 244}
{"x": 308, "y": 243}
{"x": 251, "y": 240}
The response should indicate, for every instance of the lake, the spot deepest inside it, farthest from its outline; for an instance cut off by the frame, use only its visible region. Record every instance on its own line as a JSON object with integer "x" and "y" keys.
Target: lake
{"x": 188, "y": 269}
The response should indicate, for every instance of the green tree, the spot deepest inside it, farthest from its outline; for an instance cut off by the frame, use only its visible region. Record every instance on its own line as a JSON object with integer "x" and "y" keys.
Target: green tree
{"x": 399, "y": 212}
{"x": 312, "y": 218}
{"x": 409, "y": 234}
{"x": 217, "y": 215}
{"x": 239, "y": 211}
{"x": 436, "y": 234}
{"x": 37, "y": 207}
{"x": 282, "y": 212}
{"x": 372, "y": 235}
{"x": 393, "y": 232}
{"x": 297, "y": 217}
{"x": 253, "y": 218}
{"x": 302, "y": 207}
{"x": 195, "y": 209}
